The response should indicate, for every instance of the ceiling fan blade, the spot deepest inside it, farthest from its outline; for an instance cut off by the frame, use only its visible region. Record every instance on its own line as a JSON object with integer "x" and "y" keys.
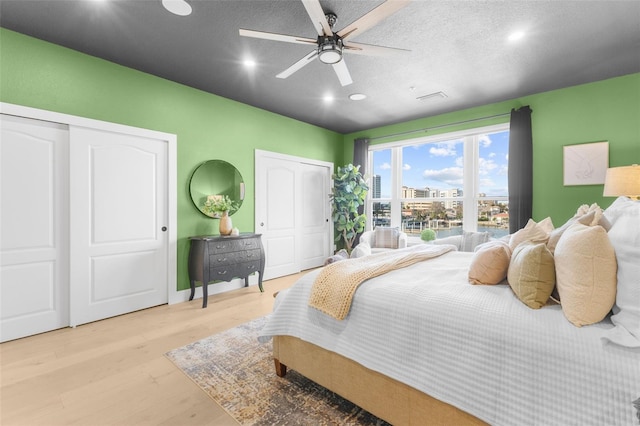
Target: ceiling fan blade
{"x": 361, "y": 25}
{"x": 342, "y": 72}
{"x": 277, "y": 37}
{"x": 301, "y": 63}
{"x": 317, "y": 15}
{"x": 372, "y": 50}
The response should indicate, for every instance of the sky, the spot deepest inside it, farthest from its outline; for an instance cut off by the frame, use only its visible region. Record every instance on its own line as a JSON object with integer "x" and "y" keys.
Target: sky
{"x": 439, "y": 165}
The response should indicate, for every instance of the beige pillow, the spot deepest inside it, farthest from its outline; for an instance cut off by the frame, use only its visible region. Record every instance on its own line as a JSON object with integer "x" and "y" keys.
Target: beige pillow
{"x": 386, "y": 237}
{"x": 534, "y": 232}
{"x": 490, "y": 263}
{"x": 555, "y": 235}
{"x": 587, "y": 215}
{"x": 531, "y": 274}
{"x": 586, "y": 274}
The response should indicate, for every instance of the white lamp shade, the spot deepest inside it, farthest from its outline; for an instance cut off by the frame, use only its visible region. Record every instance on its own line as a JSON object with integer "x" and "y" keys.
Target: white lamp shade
{"x": 622, "y": 181}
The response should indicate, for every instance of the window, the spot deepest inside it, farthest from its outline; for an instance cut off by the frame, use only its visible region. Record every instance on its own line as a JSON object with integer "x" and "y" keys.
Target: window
{"x": 447, "y": 182}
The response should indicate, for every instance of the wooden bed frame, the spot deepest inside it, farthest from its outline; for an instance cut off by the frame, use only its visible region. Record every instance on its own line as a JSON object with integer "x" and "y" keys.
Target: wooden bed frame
{"x": 380, "y": 395}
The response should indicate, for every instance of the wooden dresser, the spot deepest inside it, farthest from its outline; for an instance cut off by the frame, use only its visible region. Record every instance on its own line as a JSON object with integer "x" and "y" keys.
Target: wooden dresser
{"x": 222, "y": 258}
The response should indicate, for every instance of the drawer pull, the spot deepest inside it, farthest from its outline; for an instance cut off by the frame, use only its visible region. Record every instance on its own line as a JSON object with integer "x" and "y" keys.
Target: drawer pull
{"x": 222, "y": 273}
{"x": 223, "y": 259}
{"x": 221, "y": 246}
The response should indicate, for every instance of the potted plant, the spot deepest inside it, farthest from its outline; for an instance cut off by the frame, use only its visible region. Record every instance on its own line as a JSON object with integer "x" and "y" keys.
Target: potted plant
{"x": 348, "y": 193}
{"x": 218, "y": 206}
{"x": 428, "y": 235}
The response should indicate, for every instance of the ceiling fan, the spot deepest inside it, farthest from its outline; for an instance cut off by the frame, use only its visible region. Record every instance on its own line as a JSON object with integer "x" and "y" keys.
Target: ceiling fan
{"x": 331, "y": 45}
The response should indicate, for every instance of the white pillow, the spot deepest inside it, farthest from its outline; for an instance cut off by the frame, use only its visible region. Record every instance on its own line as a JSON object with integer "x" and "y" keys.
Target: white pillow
{"x": 362, "y": 249}
{"x": 470, "y": 240}
{"x": 624, "y": 217}
{"x": 455, "y": 240}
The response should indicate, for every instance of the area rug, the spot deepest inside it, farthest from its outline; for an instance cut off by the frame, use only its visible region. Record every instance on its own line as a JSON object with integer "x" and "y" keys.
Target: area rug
{"x": 237, "y": 372}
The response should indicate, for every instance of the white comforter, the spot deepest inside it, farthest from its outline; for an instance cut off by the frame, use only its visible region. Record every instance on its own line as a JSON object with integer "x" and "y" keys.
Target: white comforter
{"x": 476, "y": 347}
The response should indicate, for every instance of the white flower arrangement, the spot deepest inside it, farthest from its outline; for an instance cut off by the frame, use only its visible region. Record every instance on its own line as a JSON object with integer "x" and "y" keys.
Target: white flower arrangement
{"x": 216, "y": 205}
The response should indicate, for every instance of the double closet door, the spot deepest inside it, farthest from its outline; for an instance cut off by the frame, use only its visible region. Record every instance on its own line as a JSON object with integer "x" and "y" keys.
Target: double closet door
{"x": 82, "y": 225}
{"x": 293, "y": 212}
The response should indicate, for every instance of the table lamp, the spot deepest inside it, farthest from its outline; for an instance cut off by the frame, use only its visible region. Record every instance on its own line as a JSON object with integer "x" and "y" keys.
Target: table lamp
{"x": 624, "y": 181}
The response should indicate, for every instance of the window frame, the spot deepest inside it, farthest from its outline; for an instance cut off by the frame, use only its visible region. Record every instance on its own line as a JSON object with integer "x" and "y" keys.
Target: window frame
{"x": 470, "y": 198}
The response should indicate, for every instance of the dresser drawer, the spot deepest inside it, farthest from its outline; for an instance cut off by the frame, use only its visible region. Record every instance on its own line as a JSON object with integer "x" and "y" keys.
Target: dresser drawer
{"x": 219, "y": 259}
{"x": 233, "y": 245}
{"x": 238, "y": 270}
{"x": 249, "y": 267}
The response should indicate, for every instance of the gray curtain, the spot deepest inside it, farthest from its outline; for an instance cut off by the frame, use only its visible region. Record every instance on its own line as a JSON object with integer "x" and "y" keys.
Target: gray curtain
{"x": 361, "y": 153}
{"x": 520, "y": 168}
{"x": 360, "y": 156}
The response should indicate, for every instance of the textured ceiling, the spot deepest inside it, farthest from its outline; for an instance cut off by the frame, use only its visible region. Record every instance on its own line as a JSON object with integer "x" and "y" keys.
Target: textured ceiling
{"x": 457, "y": 47}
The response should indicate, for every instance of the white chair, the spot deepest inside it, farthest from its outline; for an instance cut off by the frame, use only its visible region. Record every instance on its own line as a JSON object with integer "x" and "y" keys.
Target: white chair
{"x": 384, "y": 238}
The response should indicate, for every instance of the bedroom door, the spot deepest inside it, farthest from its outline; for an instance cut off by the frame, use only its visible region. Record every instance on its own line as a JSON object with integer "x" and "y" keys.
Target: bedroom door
{"x": 292, "y": 212}
{"x": 34, "y": 227}
{"x": 118, "y": 240}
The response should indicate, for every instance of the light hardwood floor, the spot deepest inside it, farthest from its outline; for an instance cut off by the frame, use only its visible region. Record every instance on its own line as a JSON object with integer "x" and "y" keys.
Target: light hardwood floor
{"x": 113, "y": 372}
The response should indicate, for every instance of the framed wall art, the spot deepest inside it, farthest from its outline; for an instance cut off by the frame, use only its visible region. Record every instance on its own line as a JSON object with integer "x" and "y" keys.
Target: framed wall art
{"x": 585, "y": 164}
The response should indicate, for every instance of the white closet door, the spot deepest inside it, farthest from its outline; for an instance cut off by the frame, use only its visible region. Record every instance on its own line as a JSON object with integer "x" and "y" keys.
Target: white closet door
{"x": 316, "y": 225}
{"x": 33, "y": 227}
{"x": 277, "y": 215}
{"x": 293, "y": 212}
{"x": 118, "y": 218}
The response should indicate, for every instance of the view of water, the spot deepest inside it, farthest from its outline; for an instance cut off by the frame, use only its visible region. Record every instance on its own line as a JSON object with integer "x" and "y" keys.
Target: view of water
{"x": 493, "y": 231}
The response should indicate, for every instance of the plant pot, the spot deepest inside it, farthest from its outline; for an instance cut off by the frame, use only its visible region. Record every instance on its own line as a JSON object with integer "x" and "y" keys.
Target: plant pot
{"x": 226, "y": 226}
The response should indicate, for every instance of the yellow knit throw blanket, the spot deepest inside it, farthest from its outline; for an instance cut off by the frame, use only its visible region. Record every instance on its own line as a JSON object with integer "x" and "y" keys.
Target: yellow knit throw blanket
{"x": 334, "y": 287}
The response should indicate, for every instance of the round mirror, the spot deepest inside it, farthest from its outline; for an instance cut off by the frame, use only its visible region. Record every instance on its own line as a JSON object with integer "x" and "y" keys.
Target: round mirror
{"x": 214, "y": 179}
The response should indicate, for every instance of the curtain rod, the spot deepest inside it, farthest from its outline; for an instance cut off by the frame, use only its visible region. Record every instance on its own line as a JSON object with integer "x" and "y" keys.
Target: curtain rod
{"x": 426, "y": 129}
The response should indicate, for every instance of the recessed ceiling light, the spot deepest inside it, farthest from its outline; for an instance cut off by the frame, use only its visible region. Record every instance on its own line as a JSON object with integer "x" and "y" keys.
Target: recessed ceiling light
{"x": 249, "y": 63}
{"x": 515, "y": 36}
{"x": 357, "y": 96}
{"x": 327, "y": 99}
{"x": 177, "y": 7}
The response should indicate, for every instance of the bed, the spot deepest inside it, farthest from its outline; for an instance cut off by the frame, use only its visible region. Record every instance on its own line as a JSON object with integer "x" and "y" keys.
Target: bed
{"x": 421, "y": 345}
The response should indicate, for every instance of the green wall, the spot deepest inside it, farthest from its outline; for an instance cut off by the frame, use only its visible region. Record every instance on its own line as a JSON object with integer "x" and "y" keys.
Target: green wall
{"x": 46, "y": 76}
{"x": 607, "y": 110}
{"x": 42, "y": 75}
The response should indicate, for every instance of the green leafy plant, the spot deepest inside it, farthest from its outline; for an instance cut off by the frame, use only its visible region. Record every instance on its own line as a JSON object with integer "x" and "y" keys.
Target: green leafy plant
{"x": 428, "y": 235}
{"x": 215, "y": 206}
{"x": 348, "y": 193}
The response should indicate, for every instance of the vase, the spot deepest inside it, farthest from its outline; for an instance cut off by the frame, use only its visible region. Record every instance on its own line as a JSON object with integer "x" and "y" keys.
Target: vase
{"x": 226, "y": 226}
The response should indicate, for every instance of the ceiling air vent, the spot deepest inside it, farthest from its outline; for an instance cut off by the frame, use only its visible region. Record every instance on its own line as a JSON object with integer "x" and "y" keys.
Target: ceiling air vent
{"x": 432, "y": 96}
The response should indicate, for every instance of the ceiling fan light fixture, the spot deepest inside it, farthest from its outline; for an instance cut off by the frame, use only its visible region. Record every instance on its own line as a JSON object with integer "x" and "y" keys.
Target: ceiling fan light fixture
{"x": 330, "y": 49}
{"x": 177, "y": 7}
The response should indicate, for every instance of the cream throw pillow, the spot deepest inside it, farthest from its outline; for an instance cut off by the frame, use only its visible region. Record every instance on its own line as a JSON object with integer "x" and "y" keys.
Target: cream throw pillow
{"x": 490, "y": 263}
{"x": 531, "y": 274}
{"x": 587, "y": 215}
{"x": 386, "y": 237}
{"x": 586, "y": 274}
{"x": 534, "y": 232}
